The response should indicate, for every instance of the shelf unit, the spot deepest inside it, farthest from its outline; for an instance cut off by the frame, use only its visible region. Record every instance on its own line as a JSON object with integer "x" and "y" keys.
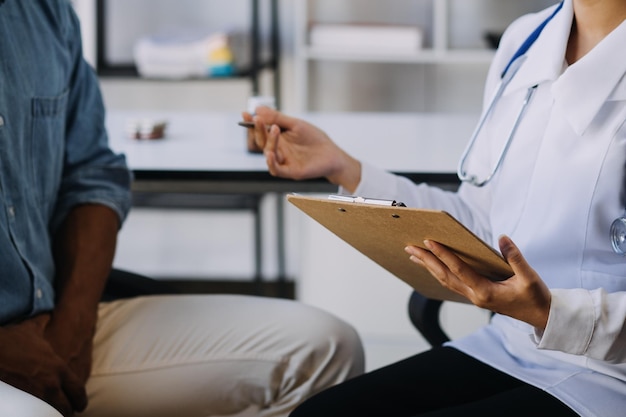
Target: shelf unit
{"x": 167, "y": 198}
{"x": 106, "y": 68}
{"x": 453, "y": 33}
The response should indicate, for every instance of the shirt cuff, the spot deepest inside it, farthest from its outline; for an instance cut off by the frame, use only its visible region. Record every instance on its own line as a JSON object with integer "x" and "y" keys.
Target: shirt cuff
{"x": 375, "y": 183}
{"x": 572, "y": 311}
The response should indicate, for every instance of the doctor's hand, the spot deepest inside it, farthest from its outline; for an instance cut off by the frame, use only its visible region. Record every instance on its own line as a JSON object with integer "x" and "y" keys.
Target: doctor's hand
{"x": 523, "y": 296}
{"x": 298, "y": 150}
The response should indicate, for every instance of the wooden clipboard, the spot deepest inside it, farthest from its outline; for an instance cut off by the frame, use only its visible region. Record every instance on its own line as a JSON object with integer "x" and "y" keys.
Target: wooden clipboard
{"x": 381, "y": 232}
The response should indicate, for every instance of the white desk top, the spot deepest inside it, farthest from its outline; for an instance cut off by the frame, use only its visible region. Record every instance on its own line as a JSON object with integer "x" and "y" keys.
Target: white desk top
{"x": 208, "y": 141}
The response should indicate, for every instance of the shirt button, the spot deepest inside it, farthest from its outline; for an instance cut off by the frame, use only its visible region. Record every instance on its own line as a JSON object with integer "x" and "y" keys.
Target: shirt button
{"x": 1, "y": 121}
{"x": 11, "y": 211}
{"x": 38, "y": 293}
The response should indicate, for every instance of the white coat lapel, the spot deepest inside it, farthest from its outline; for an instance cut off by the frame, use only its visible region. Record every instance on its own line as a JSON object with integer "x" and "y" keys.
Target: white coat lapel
{"x": 597, "y": 77}
{"x": 546, "y": 57}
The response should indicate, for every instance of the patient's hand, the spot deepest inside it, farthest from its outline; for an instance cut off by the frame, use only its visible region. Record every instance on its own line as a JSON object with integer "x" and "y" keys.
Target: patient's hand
{"x": 29, "y": 363}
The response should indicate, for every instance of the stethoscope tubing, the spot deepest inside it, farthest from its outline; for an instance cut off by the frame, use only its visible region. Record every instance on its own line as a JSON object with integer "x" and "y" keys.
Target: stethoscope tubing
{"x": 504, "y": 82}
{"x": 505, "y": 78}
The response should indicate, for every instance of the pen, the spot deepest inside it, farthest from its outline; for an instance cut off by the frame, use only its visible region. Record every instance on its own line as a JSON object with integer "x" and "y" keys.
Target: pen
{"x": 355, "y": 199}
{"x": 250, "y": 125}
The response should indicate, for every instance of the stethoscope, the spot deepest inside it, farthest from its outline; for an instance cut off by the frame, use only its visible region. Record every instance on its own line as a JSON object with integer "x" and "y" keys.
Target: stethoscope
{"x": 505, "y": 78}
{"x": 618, "y": 227}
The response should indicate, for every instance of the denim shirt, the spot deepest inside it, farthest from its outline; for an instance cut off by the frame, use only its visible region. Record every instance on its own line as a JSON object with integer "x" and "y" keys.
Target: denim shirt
{"x": 53, "y": 147}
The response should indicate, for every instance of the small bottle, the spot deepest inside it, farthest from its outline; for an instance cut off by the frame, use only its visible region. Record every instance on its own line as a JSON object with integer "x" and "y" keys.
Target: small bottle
{"x": 253, "y": 103}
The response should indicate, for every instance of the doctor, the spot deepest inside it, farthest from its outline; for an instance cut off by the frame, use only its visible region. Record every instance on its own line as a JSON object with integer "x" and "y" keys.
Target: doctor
{"x": 557, "y": 345}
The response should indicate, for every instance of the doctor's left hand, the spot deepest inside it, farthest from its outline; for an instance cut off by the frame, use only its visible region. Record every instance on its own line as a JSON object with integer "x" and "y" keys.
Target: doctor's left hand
{"x": 523, "y": 296}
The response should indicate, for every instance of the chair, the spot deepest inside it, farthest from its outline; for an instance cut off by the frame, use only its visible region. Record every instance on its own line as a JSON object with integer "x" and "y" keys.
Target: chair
{"x": 424, "y": 314}
{"x": 125, "y": 284}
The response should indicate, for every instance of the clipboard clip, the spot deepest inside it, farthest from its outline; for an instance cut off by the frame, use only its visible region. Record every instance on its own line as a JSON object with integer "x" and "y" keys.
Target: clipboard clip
{"x": 355, "y": 199}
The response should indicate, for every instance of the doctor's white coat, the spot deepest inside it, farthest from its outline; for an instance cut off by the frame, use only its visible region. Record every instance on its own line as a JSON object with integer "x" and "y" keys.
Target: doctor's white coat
{"x": 555, "y": 195}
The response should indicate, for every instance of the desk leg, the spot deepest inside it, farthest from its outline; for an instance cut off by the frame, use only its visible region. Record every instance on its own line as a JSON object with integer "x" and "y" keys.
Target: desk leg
{"x": 280, "y": 243}
{"x": 258, "y": 253}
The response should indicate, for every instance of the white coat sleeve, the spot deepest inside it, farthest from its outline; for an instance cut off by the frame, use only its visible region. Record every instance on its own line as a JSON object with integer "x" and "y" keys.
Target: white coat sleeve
{"x": 595, "y": 321}
{"x": 469, "y": 208}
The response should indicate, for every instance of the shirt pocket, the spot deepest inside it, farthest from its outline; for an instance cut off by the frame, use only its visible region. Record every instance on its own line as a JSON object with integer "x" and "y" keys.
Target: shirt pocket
{"x": 48, "y": 146}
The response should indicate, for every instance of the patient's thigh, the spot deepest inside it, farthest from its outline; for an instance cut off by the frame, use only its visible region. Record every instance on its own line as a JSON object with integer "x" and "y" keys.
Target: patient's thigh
{"x": 198, "y": 355}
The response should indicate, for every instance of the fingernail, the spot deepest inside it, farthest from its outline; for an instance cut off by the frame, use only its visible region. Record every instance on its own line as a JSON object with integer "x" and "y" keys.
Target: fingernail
{"x": 506, "y": 245}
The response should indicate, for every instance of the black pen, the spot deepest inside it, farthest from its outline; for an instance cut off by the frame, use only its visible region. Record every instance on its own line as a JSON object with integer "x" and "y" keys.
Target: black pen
{"x": 250, "y": 125}
{"x": 355, "y": 199}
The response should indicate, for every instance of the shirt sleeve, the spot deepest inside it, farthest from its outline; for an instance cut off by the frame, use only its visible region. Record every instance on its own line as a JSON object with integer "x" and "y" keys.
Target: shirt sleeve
{"x": 469, "y": 206}
{"x": 92, "y": 172}
{"x": 595, "y": 318}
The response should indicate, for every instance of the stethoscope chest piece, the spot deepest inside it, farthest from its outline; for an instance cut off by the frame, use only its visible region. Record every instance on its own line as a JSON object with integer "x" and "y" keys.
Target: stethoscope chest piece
{"x": 618, "y": 235}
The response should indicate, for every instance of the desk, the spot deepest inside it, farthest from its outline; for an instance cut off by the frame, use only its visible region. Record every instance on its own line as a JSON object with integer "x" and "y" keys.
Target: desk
{"x": 204, "y": 154}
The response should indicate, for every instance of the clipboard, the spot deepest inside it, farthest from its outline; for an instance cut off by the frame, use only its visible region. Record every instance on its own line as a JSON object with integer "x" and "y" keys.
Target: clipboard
{"x": 381, "y": 231}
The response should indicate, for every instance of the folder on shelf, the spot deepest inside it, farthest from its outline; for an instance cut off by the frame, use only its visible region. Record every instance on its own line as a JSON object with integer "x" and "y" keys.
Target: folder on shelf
{"x": 366, "y": 37}
{"x": 381, "y": 230}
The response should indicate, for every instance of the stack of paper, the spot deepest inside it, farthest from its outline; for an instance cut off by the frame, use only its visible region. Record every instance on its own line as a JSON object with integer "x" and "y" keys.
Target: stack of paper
{"x": 366, "y": 37}
{"x": 188, "y": 54}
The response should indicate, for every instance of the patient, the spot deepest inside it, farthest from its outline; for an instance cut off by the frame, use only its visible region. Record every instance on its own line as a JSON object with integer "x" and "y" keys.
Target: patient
{"x": 63, "y": 197}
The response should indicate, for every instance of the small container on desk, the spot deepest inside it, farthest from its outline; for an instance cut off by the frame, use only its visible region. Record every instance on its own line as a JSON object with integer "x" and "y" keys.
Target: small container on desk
{"x": 253, "y": 103}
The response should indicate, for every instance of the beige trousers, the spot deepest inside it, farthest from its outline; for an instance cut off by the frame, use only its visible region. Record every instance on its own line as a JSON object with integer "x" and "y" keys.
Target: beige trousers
{"x": 209, "y": 355}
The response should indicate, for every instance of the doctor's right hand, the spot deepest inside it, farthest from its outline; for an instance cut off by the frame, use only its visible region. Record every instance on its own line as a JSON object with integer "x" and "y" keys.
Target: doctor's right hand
{"x": 299, "y": 150}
